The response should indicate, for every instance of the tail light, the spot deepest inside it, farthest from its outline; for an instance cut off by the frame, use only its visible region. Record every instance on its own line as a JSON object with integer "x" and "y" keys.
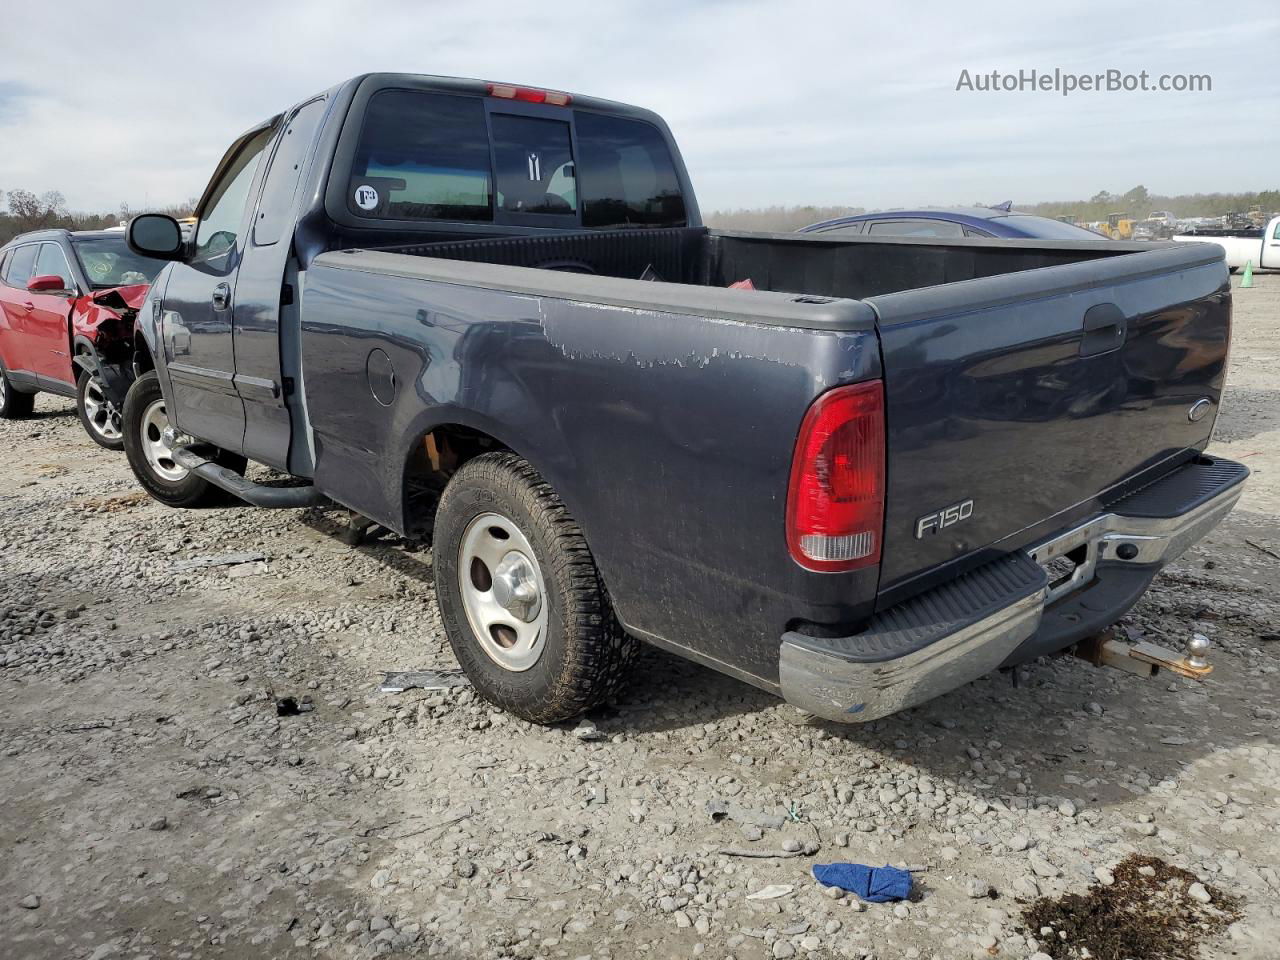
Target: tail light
{"x": 835, "y": 502}
{"x": 530, "y": 94}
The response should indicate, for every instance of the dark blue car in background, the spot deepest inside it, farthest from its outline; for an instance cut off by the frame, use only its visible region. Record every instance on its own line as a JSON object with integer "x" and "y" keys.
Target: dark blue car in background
{"x": 952, "y": 223}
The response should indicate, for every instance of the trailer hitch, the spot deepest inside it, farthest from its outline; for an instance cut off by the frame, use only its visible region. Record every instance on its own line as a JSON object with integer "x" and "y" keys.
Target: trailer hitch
{"x": 1145, "y": 658}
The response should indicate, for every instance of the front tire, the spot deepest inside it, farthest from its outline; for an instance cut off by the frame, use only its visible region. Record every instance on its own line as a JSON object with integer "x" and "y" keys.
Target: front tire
{"x": 524, "y": 607}
{"x": 14, "y": 405}
{"x": 98, "y": 415}
{"x": 143, "y": 425}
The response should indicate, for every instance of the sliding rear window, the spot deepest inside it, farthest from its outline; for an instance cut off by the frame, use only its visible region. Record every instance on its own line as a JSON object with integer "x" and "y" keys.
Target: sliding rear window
{"x": 422, "y": 156}
{"x": 626, "y": 174}
{"x": 428, "y": 156}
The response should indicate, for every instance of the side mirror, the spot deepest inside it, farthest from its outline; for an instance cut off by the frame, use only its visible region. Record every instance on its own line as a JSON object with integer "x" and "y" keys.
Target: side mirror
{"x": 155, "y": 235}
{"x": 47, "y": 283}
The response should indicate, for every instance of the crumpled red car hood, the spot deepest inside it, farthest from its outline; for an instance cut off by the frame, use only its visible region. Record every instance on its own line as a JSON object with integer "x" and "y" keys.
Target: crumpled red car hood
{"x": 132, "y": 295}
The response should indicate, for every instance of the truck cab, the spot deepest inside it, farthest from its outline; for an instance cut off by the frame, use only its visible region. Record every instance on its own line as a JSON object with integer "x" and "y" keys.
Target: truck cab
{"x": 420, "y": 158}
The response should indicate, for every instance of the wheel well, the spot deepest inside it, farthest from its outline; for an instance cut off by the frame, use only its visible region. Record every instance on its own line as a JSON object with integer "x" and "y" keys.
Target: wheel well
{"x": 436, "y": 457}
{"x": 142, "y": 360}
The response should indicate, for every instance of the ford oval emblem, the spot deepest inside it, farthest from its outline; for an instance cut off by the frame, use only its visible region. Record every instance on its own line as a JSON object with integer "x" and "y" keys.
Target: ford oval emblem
{"x": 1199, "y": 409}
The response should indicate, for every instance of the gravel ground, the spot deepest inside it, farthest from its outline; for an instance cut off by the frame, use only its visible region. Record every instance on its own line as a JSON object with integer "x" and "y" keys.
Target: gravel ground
{"x": 154, "y": 804}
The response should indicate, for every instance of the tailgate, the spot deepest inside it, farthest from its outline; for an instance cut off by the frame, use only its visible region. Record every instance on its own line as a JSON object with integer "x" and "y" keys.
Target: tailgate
{"x": 1014, "y": 402}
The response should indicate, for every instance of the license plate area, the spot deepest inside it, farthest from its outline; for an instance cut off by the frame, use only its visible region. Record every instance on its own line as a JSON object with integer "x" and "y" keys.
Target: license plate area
{"x": 1070, "y": 560}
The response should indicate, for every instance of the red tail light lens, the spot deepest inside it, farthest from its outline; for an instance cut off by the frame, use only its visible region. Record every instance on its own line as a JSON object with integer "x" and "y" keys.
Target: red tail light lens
{"x": 835, "y": 503}
{"x": 530, "y": 94}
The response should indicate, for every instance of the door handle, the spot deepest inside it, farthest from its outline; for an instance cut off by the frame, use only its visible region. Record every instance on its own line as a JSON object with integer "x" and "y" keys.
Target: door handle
{"x": 28, "y": 306}
{"x": 221, "y": 296}
{"x": 1105, "y": 327}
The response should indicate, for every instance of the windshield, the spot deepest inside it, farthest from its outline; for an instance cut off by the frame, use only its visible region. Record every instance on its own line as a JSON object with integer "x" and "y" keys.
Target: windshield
{"x": 1048, "y": 229}
{"x": 108, "y": 262}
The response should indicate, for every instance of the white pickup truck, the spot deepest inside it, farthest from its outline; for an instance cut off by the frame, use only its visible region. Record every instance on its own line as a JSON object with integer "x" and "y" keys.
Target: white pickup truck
{"x": 1259, "y": 247}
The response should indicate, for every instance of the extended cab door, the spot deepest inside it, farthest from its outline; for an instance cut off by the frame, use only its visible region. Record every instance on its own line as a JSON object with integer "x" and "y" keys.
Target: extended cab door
{"x": 266, "y": 308}
{"x": 199, "y": 301}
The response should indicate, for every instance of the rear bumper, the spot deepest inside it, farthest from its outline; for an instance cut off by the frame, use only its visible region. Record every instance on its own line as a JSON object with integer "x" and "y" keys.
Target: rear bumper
{"x": 1009, "y": 612}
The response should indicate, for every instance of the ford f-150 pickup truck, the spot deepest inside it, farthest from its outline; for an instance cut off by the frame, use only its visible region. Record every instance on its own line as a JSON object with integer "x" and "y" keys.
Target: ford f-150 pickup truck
{"x": 490, "y": 314}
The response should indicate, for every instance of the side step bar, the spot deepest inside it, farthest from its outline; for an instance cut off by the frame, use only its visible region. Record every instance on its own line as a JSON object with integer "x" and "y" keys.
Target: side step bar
{"x": 254, "y": 494}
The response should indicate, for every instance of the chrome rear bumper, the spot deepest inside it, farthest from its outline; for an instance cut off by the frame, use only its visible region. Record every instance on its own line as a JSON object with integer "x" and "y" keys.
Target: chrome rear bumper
{"x": 962, "y": 630}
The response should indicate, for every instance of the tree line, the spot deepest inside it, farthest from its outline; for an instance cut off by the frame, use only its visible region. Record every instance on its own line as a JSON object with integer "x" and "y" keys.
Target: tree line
{"x": 22, "y": 211}
{"x": 1137, "y": 204}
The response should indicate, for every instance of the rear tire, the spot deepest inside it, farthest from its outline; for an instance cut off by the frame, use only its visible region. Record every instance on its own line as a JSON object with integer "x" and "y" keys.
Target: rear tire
{"x": 144, "y": 421}
{"x": 14, "y": 405}
{"x": 524, "y": 606}
{"x": 98, "y": 415}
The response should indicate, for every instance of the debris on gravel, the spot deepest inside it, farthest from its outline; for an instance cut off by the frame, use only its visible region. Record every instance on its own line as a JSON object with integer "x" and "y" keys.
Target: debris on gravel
{"x": 1143, "y": 915}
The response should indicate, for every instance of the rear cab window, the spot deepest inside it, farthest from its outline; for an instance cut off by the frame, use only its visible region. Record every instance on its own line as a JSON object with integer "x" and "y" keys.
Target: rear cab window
{"x": 424, "y": 156}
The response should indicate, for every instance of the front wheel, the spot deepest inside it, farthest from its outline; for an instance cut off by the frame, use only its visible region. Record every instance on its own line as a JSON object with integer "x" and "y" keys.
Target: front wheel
{"x": 98, "y": 414}
{"x": 523, "y": 604}
{"x": 14, "y": 405}
{"x": 149, "y": 442}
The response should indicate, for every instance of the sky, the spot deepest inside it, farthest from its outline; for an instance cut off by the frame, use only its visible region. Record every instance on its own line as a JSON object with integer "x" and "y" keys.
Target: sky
{"x": 785, "y": 102}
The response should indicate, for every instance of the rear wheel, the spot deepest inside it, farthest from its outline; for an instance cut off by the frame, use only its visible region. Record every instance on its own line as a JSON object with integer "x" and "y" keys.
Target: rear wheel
{"x": 523, "y": 604}
{"x": 14, "y": 405}
{"x": 98, "y": 414}
{"x": 149, "y": 441}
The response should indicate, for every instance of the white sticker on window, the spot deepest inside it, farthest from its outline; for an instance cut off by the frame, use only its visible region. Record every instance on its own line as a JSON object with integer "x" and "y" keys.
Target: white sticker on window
{"x": 366, "y": 197}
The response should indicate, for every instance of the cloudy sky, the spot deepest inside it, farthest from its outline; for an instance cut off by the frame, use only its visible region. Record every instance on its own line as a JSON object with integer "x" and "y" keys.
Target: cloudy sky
{"x": 781, "y": 102}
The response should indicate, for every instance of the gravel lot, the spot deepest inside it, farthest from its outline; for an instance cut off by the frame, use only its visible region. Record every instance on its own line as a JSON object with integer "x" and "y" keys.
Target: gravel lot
{"x": 154, "y": 804}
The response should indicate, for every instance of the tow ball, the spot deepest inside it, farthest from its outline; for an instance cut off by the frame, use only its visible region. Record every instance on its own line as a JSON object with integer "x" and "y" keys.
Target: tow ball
{"x": 1145, "y": 658}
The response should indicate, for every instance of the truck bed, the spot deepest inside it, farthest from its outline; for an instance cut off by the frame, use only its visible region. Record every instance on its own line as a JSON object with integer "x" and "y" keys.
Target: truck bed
{"x": 847, "y": 267}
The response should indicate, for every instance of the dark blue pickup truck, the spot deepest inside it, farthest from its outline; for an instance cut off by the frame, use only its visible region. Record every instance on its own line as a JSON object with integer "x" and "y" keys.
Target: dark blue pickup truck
{"x": 490, "y": 315}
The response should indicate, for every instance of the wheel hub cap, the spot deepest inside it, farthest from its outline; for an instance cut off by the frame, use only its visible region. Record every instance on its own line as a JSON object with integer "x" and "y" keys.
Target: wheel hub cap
{"x": 503, "y": 592}
{"x": 515, "y": 586}
{"x": 101, "y": 412}
{"x": 158, "y": 440}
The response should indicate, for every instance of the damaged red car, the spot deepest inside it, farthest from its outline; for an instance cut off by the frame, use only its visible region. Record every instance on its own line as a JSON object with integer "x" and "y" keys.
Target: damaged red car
{"x": 68, "y": 301}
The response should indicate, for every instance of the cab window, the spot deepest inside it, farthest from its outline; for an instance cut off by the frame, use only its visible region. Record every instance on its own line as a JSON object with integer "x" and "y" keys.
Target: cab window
{"x": 627, "y": 174}
{"x": 281, "y": 183}
{"x": 534, "y": 165}
{"x": 422, "y": 156}
{"x": 222, "y": 216}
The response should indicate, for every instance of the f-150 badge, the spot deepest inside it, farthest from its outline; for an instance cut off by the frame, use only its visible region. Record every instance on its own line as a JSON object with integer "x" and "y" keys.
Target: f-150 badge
{"x": 939, "y": 520}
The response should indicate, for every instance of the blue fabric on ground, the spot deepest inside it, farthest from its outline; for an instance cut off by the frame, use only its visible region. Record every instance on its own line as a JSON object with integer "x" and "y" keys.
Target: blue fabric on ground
{"x": 872, "y": 884}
